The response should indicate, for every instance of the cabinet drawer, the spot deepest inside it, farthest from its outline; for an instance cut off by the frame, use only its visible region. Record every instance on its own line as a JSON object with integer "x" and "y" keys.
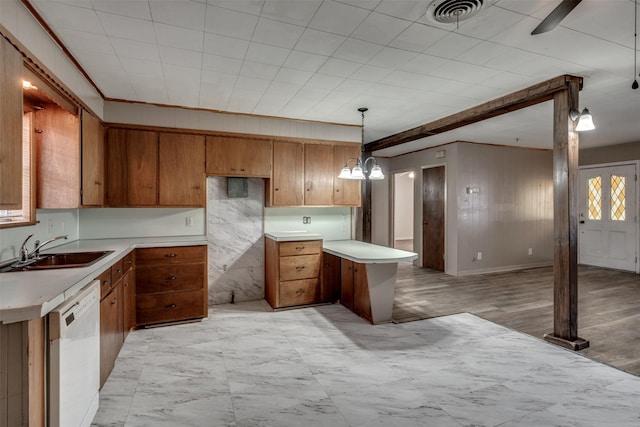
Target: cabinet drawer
{"x": 299, "y": 267}
{"x": 158, "y": 308}
{"x": 169, "y": 278}
{"x": 105, "y": 283}
{"x": 170, "y": 255}
{"x": 297, "y": 292}
{"x": 300, "y": 248}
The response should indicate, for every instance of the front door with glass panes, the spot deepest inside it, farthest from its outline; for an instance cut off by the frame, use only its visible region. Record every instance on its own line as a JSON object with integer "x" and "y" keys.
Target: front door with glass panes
{"x": 608, "y": 216}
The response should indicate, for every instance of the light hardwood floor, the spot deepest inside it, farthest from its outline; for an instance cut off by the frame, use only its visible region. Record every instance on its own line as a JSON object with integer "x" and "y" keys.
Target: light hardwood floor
{"x": 608, "y": 305}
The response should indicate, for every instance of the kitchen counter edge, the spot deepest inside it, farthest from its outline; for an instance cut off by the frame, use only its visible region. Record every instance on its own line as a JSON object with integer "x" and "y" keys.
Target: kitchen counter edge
{"x": 33, "y": 294}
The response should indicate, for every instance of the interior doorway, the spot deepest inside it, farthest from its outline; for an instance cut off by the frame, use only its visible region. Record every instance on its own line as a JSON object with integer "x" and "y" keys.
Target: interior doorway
{"x": 433, "y": 215}
{"x": 403, "y": 205}
{"x": 608, "y": 221}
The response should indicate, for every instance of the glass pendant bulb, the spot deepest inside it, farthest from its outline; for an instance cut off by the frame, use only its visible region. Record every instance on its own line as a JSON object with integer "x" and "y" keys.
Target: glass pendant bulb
{"x": 345, "y": 173}
{"x": 357, "y": 173}
{"x": 376, "y": 173}
{"x": 585, "y": 122}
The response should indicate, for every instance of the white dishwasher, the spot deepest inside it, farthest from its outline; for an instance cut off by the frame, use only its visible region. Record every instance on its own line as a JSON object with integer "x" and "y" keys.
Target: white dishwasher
{"x": 74, "y": 359}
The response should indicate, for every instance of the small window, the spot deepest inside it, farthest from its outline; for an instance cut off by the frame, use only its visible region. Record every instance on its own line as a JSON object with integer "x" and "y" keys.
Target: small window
{"x": 594, "y": 198}
{"x": 618, "y": 199}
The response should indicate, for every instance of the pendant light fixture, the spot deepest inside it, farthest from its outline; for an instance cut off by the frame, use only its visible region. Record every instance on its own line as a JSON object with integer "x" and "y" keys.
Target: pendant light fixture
{"x": 359, "y": 170}
{"x": 634, "y": 85}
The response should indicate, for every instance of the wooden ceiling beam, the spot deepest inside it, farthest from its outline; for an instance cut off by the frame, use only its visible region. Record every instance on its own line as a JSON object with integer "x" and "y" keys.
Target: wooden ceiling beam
{"x": 532, "y": 95}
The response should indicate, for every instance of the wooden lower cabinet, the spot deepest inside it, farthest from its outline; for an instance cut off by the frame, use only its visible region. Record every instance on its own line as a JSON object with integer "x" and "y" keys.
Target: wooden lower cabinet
{"x": 111, "y": 330}
{"x": 293, "y": 272}
{"x": 331, "y": 269}
{"x": 355, "y": 288}
{"x": 129, "y": 293}
{"x": 171, "y": 284}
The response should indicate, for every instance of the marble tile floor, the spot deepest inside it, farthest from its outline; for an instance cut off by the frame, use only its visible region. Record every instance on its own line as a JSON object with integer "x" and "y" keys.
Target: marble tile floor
{"x": 323, "y": 366}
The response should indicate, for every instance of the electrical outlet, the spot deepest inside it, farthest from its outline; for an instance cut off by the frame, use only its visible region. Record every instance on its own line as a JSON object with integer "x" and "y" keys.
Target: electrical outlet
{"x": 306, "y": 220}
{"x": 530, "y": 251}
{"x": 188, "y": 221}
{"x": 479, "y": 256}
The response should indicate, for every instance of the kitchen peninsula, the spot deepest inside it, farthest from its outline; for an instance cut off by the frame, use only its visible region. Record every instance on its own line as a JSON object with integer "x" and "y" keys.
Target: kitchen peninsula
{"x": 367, "y": 276}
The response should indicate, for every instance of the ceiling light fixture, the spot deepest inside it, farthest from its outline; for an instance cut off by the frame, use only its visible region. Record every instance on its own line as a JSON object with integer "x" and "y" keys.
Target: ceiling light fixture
{"x": 585, "y": 120}
{"x": 27, "y": 85}
{"x": 359, "y": 170}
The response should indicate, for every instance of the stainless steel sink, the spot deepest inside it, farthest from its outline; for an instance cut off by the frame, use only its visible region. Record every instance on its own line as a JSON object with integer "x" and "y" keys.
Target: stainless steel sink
{"x": 55, "y": 261}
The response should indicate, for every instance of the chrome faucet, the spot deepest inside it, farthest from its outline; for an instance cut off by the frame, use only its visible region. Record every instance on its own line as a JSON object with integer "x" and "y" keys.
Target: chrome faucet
{"x": 25, "y": 255}
{"x": 36, "y": 251}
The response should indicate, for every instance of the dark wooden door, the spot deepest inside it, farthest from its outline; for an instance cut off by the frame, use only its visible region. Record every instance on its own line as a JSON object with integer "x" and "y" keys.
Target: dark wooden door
{"x": 433, "y": 189}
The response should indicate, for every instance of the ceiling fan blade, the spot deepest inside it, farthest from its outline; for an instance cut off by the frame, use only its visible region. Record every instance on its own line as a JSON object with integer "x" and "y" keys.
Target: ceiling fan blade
{"x": 557, "y": 15}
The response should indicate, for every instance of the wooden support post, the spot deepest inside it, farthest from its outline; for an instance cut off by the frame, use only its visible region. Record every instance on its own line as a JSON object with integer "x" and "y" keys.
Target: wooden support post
{"x": 366, "y": 204}
{"x": 565, "y": 222}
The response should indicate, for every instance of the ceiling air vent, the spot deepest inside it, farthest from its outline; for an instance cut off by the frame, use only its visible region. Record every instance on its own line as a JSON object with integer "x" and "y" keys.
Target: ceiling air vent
{"x": 454, "y": 11}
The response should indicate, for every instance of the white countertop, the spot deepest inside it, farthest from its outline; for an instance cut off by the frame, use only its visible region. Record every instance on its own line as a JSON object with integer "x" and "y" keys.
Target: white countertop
{"x": 366, "y": 253}
{"x": 292, "y": 236}
{"x": 28, "y": 295}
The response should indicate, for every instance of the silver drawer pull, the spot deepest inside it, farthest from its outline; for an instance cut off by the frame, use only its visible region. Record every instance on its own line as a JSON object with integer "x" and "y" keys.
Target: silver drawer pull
{"x": 171, "y": 278}
{"x": 170, "y": 255}
{"x": 299, "y": 248}
{"x": 170, "y": 306}
{"x": 300, "y": 267}
{"x": 300, "y": 291}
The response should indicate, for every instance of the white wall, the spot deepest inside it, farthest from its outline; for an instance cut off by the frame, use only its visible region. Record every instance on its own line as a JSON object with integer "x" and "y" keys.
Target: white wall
{"x": 140, "y": 222}
{"x": 52, "y": 223}
{"x": 403, "y": 206}
{"x": 332, "y": 223}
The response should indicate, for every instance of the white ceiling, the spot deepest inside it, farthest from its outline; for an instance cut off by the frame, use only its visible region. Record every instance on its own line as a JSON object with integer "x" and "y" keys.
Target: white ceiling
{"x": 322, "y": 59}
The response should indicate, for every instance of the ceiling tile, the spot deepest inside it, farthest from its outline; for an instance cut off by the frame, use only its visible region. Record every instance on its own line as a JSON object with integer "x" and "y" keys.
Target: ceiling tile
{"x": 173, "y": 56}
{"x": 339, "y": 67}
{"x": 338, "y": 18}
{"x": 82, "y": 41}
{"x": 304, "y": 61}
{"x": 133, "y": 49}
{"x": 411, "y": 10}
{"x": 463, "y": 72}
{"x": 127, "y": 28}
{"x": 485, "y": 24}
{"x": 423, "y": 64}
{"x": 221, "y": 64}
{"x": 371, "y": 73}
{"x": 357, "y": 51}
{"x": 187, "y": 14}
{"x": 392, "y": 58}
{"x": 230, "y": 23}
{"x": 277, "y": 33}
{"x": 418, "y": 37}
{"x": 243, "y": 100}
{"x": 252, "y": 83}
{"x": 380, "y": 29}
{"x": 133, "y": 9}
{"x": 247, "y": 6}
{"x": 291, "y": 76}
{"x": 319, "y": 42}
{"x": 178, "y": 73}
{"x": 152, "y": 69}
{"x": 452, "y": 45}
{"x": 225, "y": 46}
{"x": 258, "y": 70}
{"x": 181, "y": 38}
{"x": 64, "y": 16}
{"x": 324, "y": 81}
{"x": 266, "y": 54}
{"x": 291, "y": 11}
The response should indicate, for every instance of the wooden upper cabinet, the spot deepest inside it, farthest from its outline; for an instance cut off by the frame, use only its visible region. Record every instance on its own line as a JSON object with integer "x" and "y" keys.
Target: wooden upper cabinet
{"x": 11, "y": 119}
{"x": 57, "y": 142}
{"x": 142, "y": 168}
{"x": 318, "y": 174}
{"x": 346, "y": 192}
{"x": 182, "y": 171}
{"x": 116, "y": 159}
{"x": 92, "y": 161}
{"x": 287, "y": 186}
{"x": 132, "y": 167}
{"x": 227, "y": 156}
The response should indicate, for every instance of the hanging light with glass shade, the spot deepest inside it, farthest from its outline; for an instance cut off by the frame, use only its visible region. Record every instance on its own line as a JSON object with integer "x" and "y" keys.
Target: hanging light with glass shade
{"x": 359, "y": 170}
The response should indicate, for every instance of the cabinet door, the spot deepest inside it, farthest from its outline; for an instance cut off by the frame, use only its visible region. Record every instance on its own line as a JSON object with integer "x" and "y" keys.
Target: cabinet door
{"x": 288, "y": 174}
{"x": 11, "y": 119}
{"x": 116, "y": 156}
{"x": 57, "y": 158}
{"x": 346, "y": 192}
{"x": 128, "y": 302}
{"x": 142, "y": 168}
{"x": 92, "y": 161}
{"x": 111, "y": 331}
{"x": 330, "y": 287}
{"x": 346, "y": 279}
{"x": 238, "y": 157}
{"x": 318, "y": 174}
{"x": 361, "y": 300}
{"x": 181, "y": 163}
